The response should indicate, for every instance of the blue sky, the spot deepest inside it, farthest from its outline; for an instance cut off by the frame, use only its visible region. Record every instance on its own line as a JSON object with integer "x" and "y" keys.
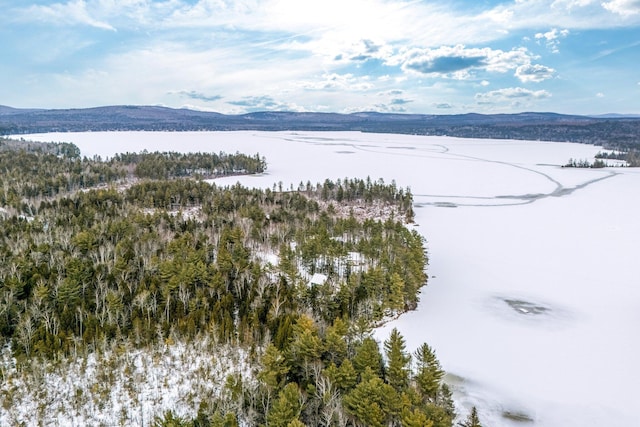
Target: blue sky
{"x": 441, "y": 57}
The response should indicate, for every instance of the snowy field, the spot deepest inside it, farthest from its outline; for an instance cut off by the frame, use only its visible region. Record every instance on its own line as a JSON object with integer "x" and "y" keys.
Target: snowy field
{"x": 533, "y": 304}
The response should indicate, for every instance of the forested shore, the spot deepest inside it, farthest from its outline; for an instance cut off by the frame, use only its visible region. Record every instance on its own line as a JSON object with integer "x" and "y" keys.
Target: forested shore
{"x": 138, "y": 255}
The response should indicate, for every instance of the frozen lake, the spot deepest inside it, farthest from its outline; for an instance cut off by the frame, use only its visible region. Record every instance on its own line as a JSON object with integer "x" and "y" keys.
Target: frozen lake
{"x": 533, "y": 304}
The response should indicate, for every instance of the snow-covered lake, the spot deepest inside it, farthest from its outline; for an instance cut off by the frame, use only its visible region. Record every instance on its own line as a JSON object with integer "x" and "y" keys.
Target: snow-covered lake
{"x": 533, "y": 304}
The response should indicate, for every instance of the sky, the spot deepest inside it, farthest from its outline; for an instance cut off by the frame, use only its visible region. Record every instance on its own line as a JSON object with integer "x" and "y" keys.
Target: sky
{"x": 403, "y": 56}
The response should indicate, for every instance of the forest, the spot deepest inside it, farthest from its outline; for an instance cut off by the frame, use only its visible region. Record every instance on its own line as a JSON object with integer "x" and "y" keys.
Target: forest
{"x": 139, "y": 252}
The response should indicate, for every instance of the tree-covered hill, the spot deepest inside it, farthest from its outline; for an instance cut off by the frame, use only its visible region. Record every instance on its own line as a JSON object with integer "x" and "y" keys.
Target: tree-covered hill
{"x": 616, "y": 132}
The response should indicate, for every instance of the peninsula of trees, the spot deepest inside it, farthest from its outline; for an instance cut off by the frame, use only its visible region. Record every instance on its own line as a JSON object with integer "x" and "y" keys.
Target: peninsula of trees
{"x": 102, "y": 259}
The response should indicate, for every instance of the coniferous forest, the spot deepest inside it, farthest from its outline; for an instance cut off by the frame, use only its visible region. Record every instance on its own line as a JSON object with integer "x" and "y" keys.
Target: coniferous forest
{"x": 106, "y": 259}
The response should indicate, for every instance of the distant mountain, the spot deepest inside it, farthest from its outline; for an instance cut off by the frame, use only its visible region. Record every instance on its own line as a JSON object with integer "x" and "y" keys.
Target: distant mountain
{"x": 611, "y": 131}
{"x": 4, "y": 110}
{"x": 616, "y": 116}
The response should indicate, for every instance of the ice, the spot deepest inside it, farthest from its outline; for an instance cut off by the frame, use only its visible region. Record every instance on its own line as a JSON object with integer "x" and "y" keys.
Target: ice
{"x": 533, "y": 305}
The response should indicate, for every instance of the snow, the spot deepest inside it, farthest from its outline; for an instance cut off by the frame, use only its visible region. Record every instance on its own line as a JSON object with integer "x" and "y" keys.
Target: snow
{"x": 118, "y": 386}
{"x": 318, "y": 279}
{"x": 533, "y": 305}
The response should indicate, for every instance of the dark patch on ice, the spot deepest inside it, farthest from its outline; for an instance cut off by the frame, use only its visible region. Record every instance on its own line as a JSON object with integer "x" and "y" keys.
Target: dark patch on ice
{"x": 517, "y": 416}
{"x": 317, "y": 138}
{"x": 526, "y": 307}
{"x": 346, "y": 152}
{"x": 529, "y": 310}
{"x": 445, "y": 205}
{"x": 453, "y": 379}
{"x": 402, "y": 148}
{"x": 523, "y": 197}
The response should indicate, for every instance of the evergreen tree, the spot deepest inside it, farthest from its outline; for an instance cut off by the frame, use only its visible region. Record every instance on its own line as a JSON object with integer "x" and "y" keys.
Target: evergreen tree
{"x": 395, "y": 298}
{"x": 428, "y": 372}
{"x": 344, "y": 377}
{"x": 368, "y": 356}
{"x": 472, "y": 419}
{"x": 169, "y": 419}
{"x": 286, "y": 408}
{"x": 305, "y": 348}
{"x": 372, "y": 402}
{"x": 398, "y": 369}
{"x": 335, "y": 343}
{"x": 275, "y": 368}
{"x": 415, "y": 418}
{"x": 228, "y": 420}
{"x": 445, "y": 401}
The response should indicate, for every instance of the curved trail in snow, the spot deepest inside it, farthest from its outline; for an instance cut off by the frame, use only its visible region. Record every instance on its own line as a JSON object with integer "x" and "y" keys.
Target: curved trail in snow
{"x": 519, "y": 199}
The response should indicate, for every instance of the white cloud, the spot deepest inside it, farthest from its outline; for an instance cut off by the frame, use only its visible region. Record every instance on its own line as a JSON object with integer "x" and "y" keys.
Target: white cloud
{"x": 459, "y": 62}
{"x": 167, "y": 73}
{"x": 623, "y": 7}
{"x": 600, "y": 95}
{"x": 569, "y": 14}
{"x": 571, "y": 4}
{"x": 379, "y": 107}
{"x": 366, "y": 49}
{"x": 335, "y": 81}
{"x": 552, "y": 38}
{"x": 74, "y": 12}
{"x": 552, "y": 35}
{"x": 534, "y": 73}
{"x": 265, "y": 103}
{"x": 307, "y": 53}
{"x": 514, "y": 94}
{"x": 391, "y": 21}
{"x": 391, "y": 92}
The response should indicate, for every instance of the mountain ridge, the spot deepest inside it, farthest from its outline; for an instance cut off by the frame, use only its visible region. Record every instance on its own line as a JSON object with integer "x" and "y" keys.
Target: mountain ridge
{"x": 610, "y": 131}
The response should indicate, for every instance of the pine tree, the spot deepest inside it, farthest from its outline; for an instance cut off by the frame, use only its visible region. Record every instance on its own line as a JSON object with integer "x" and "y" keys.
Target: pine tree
{"x": 274, "y": 369}
{"x": 229, "y": 420}
{"x": 397, "y": 373}
{"x": 344, "y": 377}
{"x": 286, "y": 408}
{"x": 372, "y": 402}
{"x": 335, "y": 343}
{"x": 305, "y": 348}
{"x": 395, "y": 298}
{"x": 472, "y": 419}
{"x": 445, "y": 401}
{"x": 368, "y": 355}
{"x": 169, "y": 419}
{"x": 415, "y": 418}
{"x": 428, "y": 372}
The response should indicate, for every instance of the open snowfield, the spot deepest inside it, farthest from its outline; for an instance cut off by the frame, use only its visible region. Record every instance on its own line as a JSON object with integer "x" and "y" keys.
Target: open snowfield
{"x": 533, "y": 304}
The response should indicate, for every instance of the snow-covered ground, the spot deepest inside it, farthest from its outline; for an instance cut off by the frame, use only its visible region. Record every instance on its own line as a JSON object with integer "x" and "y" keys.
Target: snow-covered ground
{"x": 533, "y": 305}
{"x": 119, "y": 385}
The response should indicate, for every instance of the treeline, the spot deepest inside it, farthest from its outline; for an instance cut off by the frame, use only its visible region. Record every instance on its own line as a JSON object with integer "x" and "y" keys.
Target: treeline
{"x": 365, "y": 189}
{"x": 632, "y": 157}
{"x": 208, "y": 165}
{"x": 34, "y": 171}
{"x": 31, "y": 176}
{"x": 614, "y": 133}
{"x": 64, "y": 149}
{"x": 574, "y": 163}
